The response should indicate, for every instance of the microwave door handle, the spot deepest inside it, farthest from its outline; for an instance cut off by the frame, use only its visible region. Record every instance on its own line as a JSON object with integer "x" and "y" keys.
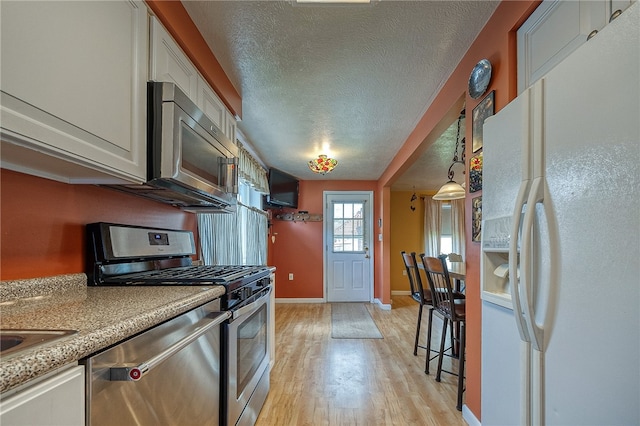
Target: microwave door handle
{"x": 233, "y": 187}
{"x": 229, "y": 172}
{"x": 250, "y": 307}
{"x": 134, "y": 373}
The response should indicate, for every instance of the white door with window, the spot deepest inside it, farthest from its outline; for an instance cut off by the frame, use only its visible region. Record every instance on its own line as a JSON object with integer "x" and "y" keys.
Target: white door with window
{"x": 348, "y": 249}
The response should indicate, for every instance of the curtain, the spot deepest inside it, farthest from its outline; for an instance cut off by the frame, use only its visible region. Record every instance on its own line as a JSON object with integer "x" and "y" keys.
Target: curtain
{"x": 234, "y": 239}
{"x": 457, "y": 227}
{"x": 432, "y": 226}
{"x": 252, "y": 172}
{"x": 219, "y": 239}
{"x": 255, "y": 224}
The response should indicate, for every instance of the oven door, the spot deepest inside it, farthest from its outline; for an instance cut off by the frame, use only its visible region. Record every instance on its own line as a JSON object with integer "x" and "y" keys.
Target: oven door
{"x": 247, "y": 361}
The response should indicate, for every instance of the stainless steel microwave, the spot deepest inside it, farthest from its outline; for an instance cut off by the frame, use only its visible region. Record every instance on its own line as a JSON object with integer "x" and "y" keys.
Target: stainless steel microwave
{"x": 191, "y": 164}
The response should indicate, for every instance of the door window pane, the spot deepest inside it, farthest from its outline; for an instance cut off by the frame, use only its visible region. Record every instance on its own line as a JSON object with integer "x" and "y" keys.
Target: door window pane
{"x": 348, "y": 227}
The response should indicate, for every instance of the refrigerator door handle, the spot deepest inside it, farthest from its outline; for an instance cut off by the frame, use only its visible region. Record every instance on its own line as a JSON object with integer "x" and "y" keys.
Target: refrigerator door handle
{"x": 536, "y": 195}
{"x": 514, "y": 276}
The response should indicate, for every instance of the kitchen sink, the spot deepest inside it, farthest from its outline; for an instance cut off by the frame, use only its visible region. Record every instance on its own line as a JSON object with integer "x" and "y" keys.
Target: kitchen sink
{"x": 14, "y": 340}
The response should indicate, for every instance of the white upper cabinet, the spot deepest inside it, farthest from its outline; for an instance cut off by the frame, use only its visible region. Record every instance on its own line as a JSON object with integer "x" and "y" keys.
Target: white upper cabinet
{"x": 557, "y": 28}
{"x": 210, "y": 104}
{"x": 230, "y": 127}
{"x": 169, "y": 63}
{"x": 73, "y": 99}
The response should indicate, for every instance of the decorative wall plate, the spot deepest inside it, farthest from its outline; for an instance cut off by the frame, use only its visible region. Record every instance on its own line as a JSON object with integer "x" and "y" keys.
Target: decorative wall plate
{"x": 480, "y": 78}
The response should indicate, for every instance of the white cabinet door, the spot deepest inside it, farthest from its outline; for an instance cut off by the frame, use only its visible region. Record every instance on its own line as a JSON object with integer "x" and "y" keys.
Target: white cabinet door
{"x": 210, "y": 104}
{"x": 557, "y": 28}
{"x": 230, "y": 127}
{"x": 58, "y": 400}
{"x": 169, "y": 63}
{"x": 74, "y": 89}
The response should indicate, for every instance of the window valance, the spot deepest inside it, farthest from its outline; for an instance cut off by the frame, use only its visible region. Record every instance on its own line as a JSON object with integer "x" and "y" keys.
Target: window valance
{"x": 252, "y": 172}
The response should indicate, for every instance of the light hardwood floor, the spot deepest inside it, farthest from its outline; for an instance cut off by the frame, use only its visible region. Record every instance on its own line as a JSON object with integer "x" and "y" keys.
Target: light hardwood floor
{"x": 317, "y": 380}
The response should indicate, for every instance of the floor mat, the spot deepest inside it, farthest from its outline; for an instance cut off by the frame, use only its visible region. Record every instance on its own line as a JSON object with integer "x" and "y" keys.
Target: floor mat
{"x": 352, "y": 321}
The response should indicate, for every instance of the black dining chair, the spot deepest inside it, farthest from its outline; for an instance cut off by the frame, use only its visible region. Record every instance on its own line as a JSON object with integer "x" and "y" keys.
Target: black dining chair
{"x": 421, "y": 295}
{"x": 451, "y": 308}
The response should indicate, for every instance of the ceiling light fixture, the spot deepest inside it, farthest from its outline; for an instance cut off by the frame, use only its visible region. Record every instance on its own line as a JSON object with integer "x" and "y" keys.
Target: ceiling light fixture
{"x": 452, "y": 190}
{"x": 322, "y": 164}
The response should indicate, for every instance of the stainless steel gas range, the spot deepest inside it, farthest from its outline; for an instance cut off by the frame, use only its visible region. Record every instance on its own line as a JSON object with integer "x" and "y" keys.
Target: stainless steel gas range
{"x": 125, "y": 255}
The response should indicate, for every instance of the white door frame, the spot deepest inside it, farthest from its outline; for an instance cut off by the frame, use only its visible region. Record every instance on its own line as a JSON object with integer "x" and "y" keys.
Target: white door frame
{"x": 325, "y": 232}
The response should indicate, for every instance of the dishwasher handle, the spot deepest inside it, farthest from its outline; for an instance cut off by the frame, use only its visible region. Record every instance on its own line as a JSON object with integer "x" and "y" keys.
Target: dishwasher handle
{"x": 134, "y": 373}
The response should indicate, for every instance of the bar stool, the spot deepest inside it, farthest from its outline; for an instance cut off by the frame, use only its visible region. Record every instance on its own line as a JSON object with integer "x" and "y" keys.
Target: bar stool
{"x": 451, "y": 309}
{"x": 423, "y": 297}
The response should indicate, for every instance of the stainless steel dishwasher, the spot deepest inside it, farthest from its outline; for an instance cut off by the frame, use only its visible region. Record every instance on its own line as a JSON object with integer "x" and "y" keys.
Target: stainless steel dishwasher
{"x": 168, "y": 375}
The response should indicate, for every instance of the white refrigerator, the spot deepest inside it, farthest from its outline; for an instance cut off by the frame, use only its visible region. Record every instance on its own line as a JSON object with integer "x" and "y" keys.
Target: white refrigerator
{"x": 560, "y": 269}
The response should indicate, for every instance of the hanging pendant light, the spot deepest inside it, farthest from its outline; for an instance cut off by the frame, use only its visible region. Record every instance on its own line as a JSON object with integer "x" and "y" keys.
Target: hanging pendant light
{"x": 453, "y": 190}
{"x": 322, "y": 164}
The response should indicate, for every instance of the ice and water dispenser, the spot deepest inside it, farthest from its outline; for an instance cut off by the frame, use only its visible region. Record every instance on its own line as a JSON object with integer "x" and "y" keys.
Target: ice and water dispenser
{"x": 496, "y": 282}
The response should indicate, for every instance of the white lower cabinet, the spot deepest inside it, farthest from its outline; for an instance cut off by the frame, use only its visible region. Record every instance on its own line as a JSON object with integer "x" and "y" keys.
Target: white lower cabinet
{"x": 57, "y": 400}
{"x": 73, "y": 94}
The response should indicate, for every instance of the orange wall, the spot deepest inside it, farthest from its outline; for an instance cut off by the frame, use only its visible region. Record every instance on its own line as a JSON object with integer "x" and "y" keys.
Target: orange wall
{"x": 298, "y": 246}
{"x": 42, "y": 222}
{"x": 497, "y": 43}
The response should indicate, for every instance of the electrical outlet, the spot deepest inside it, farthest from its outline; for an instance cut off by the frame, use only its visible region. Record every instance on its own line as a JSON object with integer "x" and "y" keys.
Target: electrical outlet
{"x": 404, "y": 272}
{"x": 290, "y": 277}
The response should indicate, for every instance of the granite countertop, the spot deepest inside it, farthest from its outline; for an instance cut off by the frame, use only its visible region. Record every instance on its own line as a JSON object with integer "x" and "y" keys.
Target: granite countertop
{"x": 102, "y": 316}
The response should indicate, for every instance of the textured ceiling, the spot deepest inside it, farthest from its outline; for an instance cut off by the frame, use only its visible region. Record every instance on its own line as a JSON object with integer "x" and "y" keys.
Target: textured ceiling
{"x": 351, "y": 81}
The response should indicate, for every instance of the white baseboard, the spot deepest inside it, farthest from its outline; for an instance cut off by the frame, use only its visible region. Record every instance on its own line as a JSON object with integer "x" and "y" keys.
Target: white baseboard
{"x": 293, "y": 300}
{"x": 382, "y": 305}
{"x": 469, "y": 417}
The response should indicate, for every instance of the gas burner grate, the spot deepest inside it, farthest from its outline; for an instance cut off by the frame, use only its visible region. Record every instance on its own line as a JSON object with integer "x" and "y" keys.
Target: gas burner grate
{"x": 193, "y": 274}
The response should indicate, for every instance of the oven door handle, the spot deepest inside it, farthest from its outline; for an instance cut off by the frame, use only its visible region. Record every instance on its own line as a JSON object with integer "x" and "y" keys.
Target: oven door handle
{"x": 133, "y": 373}
{"x": 251, "y": 306}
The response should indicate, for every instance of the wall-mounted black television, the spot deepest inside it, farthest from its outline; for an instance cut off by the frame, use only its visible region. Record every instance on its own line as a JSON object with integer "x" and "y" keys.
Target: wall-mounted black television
{"x": 283, "y": 189}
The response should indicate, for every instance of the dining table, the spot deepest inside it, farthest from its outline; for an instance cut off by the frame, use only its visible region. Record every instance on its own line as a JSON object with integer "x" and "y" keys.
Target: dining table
{"x": 458, "y": 272}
